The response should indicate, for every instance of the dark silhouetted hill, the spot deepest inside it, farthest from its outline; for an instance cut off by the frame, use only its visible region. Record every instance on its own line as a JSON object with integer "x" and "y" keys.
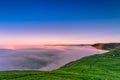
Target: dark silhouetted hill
{"x": 106, "y": 46}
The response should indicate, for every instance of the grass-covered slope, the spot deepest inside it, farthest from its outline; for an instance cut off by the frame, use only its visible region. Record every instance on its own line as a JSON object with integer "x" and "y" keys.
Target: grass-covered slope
{"x": 97, "y": 67}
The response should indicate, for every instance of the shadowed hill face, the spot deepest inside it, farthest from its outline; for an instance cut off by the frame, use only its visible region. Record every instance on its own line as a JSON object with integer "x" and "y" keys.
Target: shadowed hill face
{"x": 43, "y": 58}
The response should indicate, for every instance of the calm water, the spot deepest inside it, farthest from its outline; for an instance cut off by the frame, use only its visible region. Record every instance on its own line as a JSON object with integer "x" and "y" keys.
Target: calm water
{"x": 45, "y": 58}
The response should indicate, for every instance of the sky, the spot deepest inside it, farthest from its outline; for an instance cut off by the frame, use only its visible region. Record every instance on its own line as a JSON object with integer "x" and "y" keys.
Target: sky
{"x": 36, "y": 22}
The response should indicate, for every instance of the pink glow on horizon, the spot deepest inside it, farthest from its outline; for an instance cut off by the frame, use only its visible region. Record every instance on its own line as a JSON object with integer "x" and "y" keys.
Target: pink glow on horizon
{"x": 33, "y": 46}
{"x": 14, "y": 42}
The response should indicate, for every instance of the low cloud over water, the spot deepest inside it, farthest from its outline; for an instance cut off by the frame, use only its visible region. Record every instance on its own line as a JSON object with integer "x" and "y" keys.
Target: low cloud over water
{"x": 46, "y": 58}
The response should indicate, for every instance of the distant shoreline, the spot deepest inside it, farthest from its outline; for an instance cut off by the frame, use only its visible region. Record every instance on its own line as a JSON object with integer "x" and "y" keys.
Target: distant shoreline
{"x": 69, "y": 45}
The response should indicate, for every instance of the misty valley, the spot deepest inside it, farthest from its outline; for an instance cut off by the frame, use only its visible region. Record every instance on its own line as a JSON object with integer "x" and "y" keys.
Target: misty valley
{"x": 45, "y": 58}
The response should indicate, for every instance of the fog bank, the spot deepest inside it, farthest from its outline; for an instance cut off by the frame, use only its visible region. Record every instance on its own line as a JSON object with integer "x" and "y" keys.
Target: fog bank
{"x": 46, "y": 58}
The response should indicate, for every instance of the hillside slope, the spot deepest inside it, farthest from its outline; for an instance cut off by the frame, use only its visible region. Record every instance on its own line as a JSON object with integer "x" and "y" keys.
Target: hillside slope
{"x": 97, "y": 67}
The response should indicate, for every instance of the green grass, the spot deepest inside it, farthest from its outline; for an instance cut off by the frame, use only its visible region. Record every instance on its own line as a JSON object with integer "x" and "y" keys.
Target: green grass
{"x": 97, "y": 67}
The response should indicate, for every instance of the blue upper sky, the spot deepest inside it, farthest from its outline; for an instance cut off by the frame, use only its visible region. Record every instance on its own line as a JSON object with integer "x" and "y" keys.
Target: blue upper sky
{"x": 58, "y": 10}
{"x": 58, "y": 21}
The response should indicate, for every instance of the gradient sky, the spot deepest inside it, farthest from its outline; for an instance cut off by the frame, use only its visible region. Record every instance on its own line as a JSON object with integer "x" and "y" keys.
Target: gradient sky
{"x": 35, "y": 22}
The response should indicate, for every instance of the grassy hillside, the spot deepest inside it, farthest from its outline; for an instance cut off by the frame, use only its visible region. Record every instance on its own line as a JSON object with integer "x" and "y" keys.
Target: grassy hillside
{"x": 97, "y": 67}
{"x": 106, "y": 46}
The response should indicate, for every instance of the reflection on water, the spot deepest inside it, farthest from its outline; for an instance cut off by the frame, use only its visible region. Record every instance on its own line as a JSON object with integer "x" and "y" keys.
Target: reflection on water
{"x": 45, "y": 58}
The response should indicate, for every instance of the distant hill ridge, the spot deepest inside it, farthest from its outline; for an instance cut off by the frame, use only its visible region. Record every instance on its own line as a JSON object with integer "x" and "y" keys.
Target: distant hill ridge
{"x": 106, "y": 46}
